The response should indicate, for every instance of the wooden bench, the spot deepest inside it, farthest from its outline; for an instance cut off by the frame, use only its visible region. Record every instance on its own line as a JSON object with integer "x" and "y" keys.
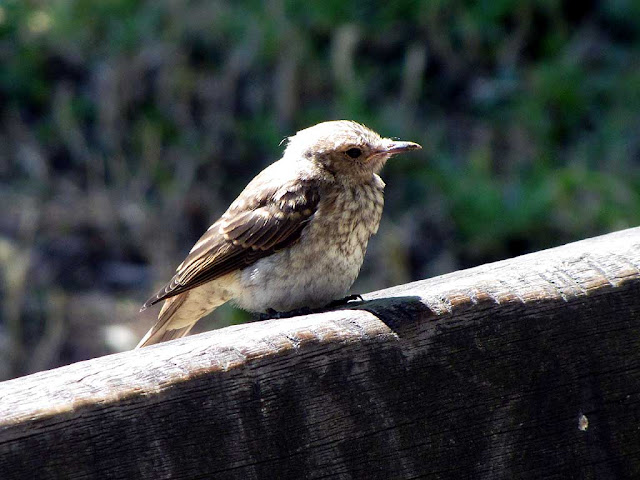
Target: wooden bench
{"x": 527, "y": 368}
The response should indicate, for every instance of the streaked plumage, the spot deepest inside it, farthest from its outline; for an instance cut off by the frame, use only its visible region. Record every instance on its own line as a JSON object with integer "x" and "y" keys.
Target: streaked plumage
{"x": 295, "y": 237}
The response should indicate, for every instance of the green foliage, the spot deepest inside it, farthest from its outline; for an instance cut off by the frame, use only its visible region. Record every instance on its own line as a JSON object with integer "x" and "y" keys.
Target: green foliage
{"x": 564, "y": 79}
{"x": 159, "y": 112}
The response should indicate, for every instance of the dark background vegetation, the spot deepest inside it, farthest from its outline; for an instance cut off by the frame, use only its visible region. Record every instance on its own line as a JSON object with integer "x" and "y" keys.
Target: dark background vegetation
{"x": 127, "y": 126}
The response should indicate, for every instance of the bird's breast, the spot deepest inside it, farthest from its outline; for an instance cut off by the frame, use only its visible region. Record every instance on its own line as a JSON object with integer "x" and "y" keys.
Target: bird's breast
{"x": 347, "y": 217}
{"x": 325, "y": 261}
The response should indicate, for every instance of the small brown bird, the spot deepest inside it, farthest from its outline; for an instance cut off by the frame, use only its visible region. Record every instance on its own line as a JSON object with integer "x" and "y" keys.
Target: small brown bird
{"x": 294, "y": 238}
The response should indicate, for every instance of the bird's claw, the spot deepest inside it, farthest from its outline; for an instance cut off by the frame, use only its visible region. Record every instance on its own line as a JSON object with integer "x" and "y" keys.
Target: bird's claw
{"x": 271, "y": 314}
{"x": 344, "y": 301}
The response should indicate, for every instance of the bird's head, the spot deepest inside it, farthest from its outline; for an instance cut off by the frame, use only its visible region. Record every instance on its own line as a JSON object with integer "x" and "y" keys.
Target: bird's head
{"x": 345, "y": 148}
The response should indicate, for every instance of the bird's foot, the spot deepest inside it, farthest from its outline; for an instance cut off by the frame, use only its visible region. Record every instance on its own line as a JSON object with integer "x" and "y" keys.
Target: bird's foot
{"x": 272, "y": 314}
{"x": 344, "y": 301}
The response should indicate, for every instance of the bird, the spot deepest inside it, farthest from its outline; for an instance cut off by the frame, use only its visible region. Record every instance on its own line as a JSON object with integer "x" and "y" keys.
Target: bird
{"x": 296, "y": 236}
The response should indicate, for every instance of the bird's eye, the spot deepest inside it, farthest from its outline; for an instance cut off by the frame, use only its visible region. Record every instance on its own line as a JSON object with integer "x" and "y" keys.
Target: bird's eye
{"x": 354, "y": 152}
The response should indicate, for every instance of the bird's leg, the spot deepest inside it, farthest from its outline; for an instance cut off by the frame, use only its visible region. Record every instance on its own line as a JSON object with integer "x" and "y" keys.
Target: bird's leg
{"x": 344, "y": 301}
{"x": 297, "y": 312}
{"x": 268, "y": 315}
{"x": 272, "y": 314}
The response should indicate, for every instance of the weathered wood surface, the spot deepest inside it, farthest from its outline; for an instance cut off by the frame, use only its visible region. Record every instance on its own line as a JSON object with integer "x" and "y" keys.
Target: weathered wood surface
{"x": 527, "y": 368}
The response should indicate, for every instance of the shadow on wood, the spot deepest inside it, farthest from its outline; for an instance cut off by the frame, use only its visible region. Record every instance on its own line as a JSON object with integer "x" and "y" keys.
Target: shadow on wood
{"x": 527, "y": 368}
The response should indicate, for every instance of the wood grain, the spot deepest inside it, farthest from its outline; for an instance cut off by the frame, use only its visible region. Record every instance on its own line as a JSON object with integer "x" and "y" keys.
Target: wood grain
{"x": 527, "y": 368}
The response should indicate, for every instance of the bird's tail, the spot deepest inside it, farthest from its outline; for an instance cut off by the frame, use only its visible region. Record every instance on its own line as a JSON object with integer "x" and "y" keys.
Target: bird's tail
{"x": 168, "y": 327}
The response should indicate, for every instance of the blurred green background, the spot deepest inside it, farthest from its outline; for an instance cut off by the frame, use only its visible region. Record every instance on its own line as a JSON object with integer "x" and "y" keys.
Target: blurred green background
{"x": 127, "y": 126}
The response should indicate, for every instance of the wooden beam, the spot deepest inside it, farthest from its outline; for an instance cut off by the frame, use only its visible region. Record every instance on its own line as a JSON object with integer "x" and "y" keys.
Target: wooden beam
{"x": 526, "y": 368}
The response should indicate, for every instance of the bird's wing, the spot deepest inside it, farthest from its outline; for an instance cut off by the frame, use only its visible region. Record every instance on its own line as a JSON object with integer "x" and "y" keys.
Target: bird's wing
{"x": 252, "y": 228}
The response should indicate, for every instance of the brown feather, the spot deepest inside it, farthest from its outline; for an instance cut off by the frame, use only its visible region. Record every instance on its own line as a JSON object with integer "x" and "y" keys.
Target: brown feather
{"x": 247, "y": 232}
{"x": 160, "y": 331}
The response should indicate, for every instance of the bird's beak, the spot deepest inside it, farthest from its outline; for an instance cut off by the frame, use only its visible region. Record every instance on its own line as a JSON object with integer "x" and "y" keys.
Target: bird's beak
{"x": 396, "y": 146}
